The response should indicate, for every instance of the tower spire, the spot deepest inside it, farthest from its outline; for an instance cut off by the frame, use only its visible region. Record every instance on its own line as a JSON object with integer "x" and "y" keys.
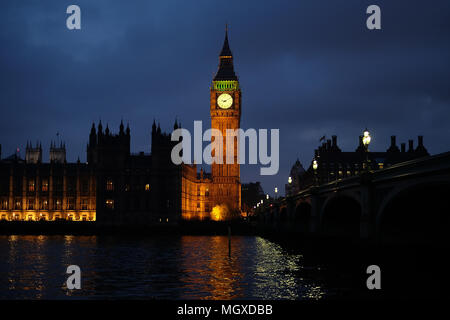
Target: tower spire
{"x": 226, "y": 68}
{"x": 226, "y": 52}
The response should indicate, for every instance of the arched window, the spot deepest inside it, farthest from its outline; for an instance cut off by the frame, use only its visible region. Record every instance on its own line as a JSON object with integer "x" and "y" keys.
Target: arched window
{"x": 109, "y": 185}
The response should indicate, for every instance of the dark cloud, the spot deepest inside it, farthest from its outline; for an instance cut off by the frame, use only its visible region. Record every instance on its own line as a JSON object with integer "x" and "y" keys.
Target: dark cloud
{"x": 308, "y": 68}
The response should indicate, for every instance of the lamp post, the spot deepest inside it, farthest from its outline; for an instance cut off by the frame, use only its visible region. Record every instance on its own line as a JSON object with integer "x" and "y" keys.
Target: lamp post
{"x": 366, "y": 141}
{"x": 289, "y": 187}
{"x": 276, "y": 192}
{"x": 315, "y": 166}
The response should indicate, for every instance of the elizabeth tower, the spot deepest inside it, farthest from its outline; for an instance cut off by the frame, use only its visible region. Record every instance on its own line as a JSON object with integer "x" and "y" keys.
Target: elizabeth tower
{"x": 225, "y": 108}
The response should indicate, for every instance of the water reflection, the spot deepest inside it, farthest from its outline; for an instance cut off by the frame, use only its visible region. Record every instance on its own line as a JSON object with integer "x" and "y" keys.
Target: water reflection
{"x": 79, "y": 250}
{"x": 27, "y": 264}
{"x": 186, "y": 267}
{"x": 278, "y": 275}
{"x": 208, "y": 271}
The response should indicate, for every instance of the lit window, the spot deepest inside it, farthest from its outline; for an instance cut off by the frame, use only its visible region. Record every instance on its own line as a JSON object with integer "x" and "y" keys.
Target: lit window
{"x": 71, "y": 204}
{"x": 31, "y": 186}
{"x": 44, "y": 205}
{"x": 30, "y": 205}
{"x": 109, "y": 185}
{"x": 110, "y": 204}
{"x": 147, "y": 187}
{"x": 45, "y": 185}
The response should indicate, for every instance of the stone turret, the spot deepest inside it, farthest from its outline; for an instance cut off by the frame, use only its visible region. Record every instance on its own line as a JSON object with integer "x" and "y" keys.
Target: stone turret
{"x": 33, "y": 154}
{"x": 58, "y": 153}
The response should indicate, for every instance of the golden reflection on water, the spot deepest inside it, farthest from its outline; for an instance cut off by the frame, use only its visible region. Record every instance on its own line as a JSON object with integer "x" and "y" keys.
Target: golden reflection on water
{"x": 225, "y": 271}
{"x": 28, "y": 261}
{"x": 256, "y": 268}
{"x": 207, "y": 268}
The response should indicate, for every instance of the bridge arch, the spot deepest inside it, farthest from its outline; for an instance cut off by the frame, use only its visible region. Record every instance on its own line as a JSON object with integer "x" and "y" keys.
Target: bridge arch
{"x": 302, "y": 216}
{"x": 283, "y": 215}
{"x": 341, "y": 216}
{"x": 415, "y": 213}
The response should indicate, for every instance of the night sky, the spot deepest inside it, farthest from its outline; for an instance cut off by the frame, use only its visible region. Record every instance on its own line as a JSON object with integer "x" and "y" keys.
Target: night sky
{"x": 310, "y": 68}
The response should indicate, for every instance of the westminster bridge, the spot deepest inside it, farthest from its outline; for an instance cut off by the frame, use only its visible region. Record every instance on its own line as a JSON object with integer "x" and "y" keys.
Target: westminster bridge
{"x": 406, "y": 202}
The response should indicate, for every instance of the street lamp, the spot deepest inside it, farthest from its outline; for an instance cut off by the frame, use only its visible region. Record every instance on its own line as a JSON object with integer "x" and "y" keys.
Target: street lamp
{"x": 315, "y": 166}
{"x": 276, "y": 191}
{"x": 289, "y": 180}
{"x": 366, "y": 141}
{"x": 267, "y": 196}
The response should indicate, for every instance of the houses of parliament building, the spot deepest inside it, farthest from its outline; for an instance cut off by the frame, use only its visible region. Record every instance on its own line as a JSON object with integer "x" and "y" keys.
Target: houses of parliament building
{"x": 115, "y": 186}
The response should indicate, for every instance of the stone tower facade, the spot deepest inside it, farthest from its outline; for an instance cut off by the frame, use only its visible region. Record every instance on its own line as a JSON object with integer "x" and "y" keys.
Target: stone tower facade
{"x": 225, "y": 110}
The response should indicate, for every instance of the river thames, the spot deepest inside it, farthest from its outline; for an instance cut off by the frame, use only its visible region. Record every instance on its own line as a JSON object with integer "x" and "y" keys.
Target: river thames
{"x": 161, "y": 267}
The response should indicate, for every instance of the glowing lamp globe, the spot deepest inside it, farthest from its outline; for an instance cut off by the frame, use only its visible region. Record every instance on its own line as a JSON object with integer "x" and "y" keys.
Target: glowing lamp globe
{"x": 315, "y": 165}
{"x": 366, "y": 138}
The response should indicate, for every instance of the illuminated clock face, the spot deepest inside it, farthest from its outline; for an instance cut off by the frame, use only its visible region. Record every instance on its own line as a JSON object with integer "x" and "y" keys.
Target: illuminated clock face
{"x": 225, "y": 101}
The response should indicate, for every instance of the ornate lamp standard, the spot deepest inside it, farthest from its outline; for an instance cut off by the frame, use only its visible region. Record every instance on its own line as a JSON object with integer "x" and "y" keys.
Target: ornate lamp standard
{"x": 366, "y": 141}
{"x": 315, "y": 166}
{"x": 289, "y": 187}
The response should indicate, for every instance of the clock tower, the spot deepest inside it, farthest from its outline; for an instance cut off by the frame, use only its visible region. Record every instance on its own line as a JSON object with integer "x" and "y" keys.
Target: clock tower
{"x": 225, "y": 109}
